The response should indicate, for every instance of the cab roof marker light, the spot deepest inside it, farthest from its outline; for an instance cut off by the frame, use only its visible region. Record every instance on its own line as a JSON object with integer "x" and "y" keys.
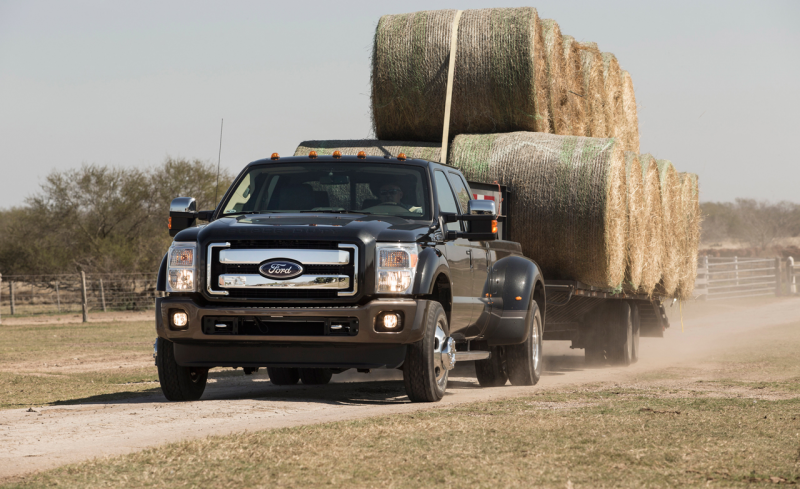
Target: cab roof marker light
{"x": 337, "y": 154}
{"x": 275, "y": 156}
{"x": 312, "y": 154}
{"x": 401, "y": 157}
{"x": 361, "y": 155}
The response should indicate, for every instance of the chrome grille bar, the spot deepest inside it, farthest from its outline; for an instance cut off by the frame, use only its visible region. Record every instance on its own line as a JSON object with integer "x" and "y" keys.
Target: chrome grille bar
{"x": 306, "y": 257}
{"x": 303, "y": 282}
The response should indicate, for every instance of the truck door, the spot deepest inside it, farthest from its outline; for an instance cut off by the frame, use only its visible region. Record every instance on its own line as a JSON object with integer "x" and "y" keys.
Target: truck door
{"x": 478, "y": 261}
{"x": 458, "y": 257}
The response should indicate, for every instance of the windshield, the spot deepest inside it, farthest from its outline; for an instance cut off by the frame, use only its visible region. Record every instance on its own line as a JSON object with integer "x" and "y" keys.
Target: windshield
{"x": 382, "y": 189}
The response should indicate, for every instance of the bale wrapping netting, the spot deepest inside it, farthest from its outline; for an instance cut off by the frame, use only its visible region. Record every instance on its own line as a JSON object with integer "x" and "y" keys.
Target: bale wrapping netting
{"x": 592, "y": 90}
{"x": 690, "y": 211}
{"x": 631, "y": 131}
{"x": 654, "y": 234}
{"x": 499, "y": 84}
{"x": 574, "y": 81}
{"x": 557, "y": 79}
{"x": 672, "y": 227}
{"x": 636, "y": 238}
{"x": 612, "y": 104}
{"x": 372, "y": 147}
{"x": 569, "y": 199}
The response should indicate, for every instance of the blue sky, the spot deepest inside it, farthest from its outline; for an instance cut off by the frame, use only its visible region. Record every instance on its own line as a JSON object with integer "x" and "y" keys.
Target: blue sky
{"x": 130, "y": 83}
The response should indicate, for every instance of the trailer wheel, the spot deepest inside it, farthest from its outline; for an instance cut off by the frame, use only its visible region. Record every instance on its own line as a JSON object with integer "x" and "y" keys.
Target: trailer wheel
{"x": 424, "y": 373}
{"x": 492, "y": 371}
{"x": 524, "y": 361}
{"x": 315, "y": 376}
{"x": 620, "y": 345}
{"x": 178, "y": 383}
{"x": 283, "y": 376}
{"x": 636, "y": 333}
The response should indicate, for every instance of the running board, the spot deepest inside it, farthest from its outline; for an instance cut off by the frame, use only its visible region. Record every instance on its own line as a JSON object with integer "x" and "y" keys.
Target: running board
{"x": 468, "y": 356}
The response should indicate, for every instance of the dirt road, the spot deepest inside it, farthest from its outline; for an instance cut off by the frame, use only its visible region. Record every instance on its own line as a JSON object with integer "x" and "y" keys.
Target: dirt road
{"x": 52, "y": 436}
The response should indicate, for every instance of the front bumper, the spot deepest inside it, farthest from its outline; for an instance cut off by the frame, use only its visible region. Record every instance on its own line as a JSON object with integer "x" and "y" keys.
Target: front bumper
{"x": 413, "y": 311}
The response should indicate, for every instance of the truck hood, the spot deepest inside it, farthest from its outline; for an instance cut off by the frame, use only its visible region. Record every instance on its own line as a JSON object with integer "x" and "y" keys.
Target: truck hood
{"x": 307, "y": 226}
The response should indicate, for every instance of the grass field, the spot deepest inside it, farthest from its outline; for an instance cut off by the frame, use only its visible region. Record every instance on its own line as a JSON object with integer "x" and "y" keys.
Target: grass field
{"x": 73, "y": 363}
{"x": 731, "y": 421}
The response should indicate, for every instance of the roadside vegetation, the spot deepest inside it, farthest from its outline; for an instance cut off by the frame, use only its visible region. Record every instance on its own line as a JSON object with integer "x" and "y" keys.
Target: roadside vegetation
{"x": 730, "y": 421}
{"x": 75, "y": 363}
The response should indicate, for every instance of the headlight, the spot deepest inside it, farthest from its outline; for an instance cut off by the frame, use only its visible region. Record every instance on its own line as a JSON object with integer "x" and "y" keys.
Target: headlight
{"x": 181, "y": 270}
{"x": 397, "y": 267}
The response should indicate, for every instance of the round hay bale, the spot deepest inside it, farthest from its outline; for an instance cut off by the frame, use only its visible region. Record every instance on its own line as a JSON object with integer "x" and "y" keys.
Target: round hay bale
{"x": 654, "y": 234}
{"x": 574, "y": 83}
{"x": 612, "y": 104}
{"x": 637, "y": 230}
{"x": 499, "y": 83}
{"x": 672, "y": 229}
{"x": 372, "y": 147}
{"x": 569, "y": 204}
{"x": 690, "y": 210}
{"x": 631, "y": 121}
{"x": 593, "y": 91}
{"x": 557, "y": 79}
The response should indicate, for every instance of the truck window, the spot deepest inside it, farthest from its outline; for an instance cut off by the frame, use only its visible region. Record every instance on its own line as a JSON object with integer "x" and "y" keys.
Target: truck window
{"x": 447, "y": 203}
{"x": 461, "y": 189}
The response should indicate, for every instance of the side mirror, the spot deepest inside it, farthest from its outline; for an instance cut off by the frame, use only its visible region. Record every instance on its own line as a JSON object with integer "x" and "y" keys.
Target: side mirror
{"x": 481, "y": 219}
{"x": 182, "y": 214}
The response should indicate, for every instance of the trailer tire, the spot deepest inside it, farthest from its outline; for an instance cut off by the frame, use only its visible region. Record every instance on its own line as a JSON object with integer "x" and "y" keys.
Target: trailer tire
{"x": 524, "y": 361}
{"x": 315, "y": 376}
{"x": 283, "y": 375}
{"x": 424, "y": 375}
{"x": 178, "y": 383}
{"x": 492, "y": 371}
{"x": 620, "y": 345}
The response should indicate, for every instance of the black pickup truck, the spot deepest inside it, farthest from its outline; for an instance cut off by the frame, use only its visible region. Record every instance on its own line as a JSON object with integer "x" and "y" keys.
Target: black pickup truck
{"x": 314, "y": 265}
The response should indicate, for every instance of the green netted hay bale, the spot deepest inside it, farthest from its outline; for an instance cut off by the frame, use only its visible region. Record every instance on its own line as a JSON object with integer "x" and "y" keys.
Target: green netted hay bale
{"x": 673, "y": 228}
{"x": 631, "y": 120}
{"x": 569, "y": 199}
{"x": 372, "y": 147}
{"x": 499, "y": 84}
{"x": 573, "y": 76}
{"x": 557, "y": 77}
{"x": 612, "y": 102}
{"x": 593, "y": 90}
{"x": 690, "y": 212}
{"x": 636, "y": 238}
{"x": 654, "y": 234}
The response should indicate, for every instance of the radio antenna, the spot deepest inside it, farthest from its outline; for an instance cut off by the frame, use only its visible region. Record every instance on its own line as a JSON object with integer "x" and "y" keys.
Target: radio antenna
{"x": 219, "y": 158}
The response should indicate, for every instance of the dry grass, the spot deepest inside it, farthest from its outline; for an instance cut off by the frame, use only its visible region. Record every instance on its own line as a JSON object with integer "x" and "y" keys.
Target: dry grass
{"x": 612, "y": 103}
{"x": 72, "y": 363}
{"x": 654, "y": 234}
{"x": 631, "y": 113}
{"x": 672, "y": 227}
{"x": 573, "y": 75}
{"x": 637, "y": 223}
{"x": 593, "y": 91}
{"x": 558, "y": 80}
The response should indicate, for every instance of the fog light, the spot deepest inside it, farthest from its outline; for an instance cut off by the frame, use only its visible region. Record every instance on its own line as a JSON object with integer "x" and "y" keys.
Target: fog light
{"x": 390, "y": 321}
{"x": 180, "y": 319}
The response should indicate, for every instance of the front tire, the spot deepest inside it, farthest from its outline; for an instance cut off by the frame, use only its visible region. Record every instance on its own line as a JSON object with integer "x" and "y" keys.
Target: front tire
{"x": 524, "y": 361}
{"x": 424, "y": 374}
{"x": 178, "y": 383}
{"x": 620, "y": 346}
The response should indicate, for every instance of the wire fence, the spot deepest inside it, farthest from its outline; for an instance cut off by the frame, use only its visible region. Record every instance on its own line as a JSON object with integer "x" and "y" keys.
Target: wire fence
{"x": 51, "y": 294}
{"x": 737, "y": 277}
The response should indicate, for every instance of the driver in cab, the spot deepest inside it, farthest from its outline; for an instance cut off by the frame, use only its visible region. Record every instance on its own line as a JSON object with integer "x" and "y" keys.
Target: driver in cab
{"x": 392, "y": 194}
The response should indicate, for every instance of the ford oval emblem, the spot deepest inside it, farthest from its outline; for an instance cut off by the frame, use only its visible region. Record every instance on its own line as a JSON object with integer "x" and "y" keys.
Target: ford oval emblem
{"x": 280, "y": 269}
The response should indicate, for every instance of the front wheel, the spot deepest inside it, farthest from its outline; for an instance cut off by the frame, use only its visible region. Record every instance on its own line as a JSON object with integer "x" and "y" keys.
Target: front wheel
{"x": 283, "y": 376}
{"x": 492, "y": 372}
{"x": 315, "y": 376}
{"x": 524, "y": 361}
{"x": 424, "y": 370}
{"x": 178, "y": 383}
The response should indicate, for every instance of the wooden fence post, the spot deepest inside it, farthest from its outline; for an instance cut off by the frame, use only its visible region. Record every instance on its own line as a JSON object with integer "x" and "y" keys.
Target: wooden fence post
{"x": 11, "y": 288}
{"x": 58, "y": 298}
{"x": 736, "y": 267}
{"x": 83, "y": 295}
{"x": 102, "y": 295}
{"x": 778, "y": 277}
{"x": 790, "y": 276}
{"x": 1, "y": 298}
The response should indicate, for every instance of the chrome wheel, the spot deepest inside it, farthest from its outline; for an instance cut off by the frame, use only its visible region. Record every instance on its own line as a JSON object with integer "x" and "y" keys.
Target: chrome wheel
{"x": 536, "y": 344}
{"x": 440, "y": 340}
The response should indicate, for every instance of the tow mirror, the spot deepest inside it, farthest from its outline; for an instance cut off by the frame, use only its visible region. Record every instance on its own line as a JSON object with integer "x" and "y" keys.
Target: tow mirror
{"x": 182, "y": 214}
{"x": 481, "y": 219}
